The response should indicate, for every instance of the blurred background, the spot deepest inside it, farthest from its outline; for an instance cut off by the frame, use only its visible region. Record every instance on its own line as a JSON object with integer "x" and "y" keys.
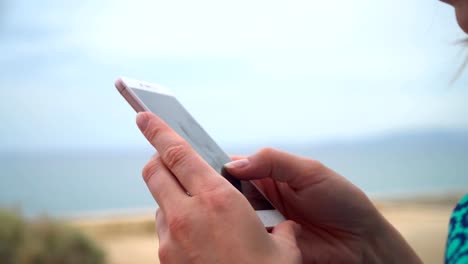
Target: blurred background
{"x": 365, "y": 86}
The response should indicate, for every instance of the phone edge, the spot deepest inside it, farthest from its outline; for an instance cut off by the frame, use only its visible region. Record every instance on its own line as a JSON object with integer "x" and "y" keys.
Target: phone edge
{"x": 130, "y": 96}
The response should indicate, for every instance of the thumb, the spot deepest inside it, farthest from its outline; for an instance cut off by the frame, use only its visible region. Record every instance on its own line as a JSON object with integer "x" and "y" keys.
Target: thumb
{"x": 278, "y": 165}
{"x": 287, "y": 231}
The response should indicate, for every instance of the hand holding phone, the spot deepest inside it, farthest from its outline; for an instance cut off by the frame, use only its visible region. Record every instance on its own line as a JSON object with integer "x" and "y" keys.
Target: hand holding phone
{"x": 147, "y": 97}
{"x": 213, "y": 222}
{"x": 202, "y": 218}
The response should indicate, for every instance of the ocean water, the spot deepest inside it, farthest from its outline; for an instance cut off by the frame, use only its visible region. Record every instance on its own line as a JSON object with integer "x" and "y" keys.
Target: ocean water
{"x": 70, "y": 183}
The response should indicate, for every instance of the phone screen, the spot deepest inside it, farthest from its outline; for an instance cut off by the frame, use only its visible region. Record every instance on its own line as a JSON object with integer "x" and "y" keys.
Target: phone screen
{"x": 168, "y": 108}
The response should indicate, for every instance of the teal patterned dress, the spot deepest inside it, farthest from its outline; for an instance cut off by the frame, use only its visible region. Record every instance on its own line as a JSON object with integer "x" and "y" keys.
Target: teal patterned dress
{"x": 457, "y": 241}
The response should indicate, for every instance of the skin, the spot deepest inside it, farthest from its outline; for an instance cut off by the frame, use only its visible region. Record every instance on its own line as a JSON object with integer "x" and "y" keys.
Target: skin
{"x": 204, "y": 219}
{"x": 331, "y": 220}
{"x": 339, "y": 223}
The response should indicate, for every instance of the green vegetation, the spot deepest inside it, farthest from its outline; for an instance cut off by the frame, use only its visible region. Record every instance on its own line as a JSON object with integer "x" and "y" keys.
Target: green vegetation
{"x": 43, "y": 242}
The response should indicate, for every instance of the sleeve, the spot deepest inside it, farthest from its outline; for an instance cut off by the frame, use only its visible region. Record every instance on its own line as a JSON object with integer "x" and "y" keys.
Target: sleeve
{"x": 457, "y": 242}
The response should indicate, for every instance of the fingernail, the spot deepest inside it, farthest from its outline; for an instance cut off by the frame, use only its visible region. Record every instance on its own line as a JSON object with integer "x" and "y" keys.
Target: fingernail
{"x": 142, "y": 121}
{"x": 237, "y": 164}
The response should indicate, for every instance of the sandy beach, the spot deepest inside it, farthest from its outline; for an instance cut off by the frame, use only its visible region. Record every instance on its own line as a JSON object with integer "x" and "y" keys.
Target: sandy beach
{"x": 421, "y": 220}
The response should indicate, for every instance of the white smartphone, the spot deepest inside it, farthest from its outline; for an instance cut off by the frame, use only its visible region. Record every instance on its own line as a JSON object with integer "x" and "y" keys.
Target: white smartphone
{"x": 147, "y": 97}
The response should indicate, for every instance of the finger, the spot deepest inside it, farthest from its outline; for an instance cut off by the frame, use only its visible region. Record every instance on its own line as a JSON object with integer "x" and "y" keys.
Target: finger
{"x": 287, "y": 230}
{"x": 237, "y": 157}
{"x": 163, "y": 186}
{"x": 296, "y": 171}
{"x": 190, "y": 169}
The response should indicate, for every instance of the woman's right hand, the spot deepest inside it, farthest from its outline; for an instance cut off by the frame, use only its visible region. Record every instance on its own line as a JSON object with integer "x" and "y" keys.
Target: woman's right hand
{"x": 339, "y": 223}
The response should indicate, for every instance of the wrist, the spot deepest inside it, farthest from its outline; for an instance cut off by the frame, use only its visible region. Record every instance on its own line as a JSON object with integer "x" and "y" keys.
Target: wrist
{"x": 386, "y": 245}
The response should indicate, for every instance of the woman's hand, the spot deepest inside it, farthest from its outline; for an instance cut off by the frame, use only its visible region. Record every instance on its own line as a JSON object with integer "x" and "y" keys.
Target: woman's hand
{"x": 339, "y": 223}
{"x": 202, "y": 218}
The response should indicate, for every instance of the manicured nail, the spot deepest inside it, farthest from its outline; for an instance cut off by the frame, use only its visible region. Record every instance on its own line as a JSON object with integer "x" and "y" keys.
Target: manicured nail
{"x": 237, "y": 164}
{"x": 142, "y": 121}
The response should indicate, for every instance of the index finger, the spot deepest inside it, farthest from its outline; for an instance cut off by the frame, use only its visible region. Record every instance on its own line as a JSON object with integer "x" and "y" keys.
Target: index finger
{"x": 194, "y": 173}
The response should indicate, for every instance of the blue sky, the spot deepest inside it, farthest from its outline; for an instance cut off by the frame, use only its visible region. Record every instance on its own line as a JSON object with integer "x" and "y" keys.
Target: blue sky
{"x": 249, "y": 71}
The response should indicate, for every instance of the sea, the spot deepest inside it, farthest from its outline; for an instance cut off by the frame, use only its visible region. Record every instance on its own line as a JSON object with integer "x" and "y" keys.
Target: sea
{"x": 72, "y": 183}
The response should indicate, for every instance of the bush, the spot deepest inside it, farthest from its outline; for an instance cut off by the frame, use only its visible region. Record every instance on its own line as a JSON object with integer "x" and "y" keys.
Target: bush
{"x": 12, "y": 235}
{"x": 44, "y": 242}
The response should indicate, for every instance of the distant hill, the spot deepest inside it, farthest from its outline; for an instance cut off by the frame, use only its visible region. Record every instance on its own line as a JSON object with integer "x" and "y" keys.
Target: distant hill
{"x": 453, "y": 140}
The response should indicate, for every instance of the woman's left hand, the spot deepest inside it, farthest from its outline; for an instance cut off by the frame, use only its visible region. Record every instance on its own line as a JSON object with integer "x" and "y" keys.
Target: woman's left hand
{"x": 202, "y": 218}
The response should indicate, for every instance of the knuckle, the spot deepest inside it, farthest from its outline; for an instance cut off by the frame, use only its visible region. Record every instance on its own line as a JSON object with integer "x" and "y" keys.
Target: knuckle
{"x": 152, "y": 132}
{"x": 150, "y": 169}
{"x": 178, "y": 226}
{"x": 219, "y": 200}
{"x": 215, "y": 184}
{"x": 316, "y": 165}
{"x": 175, "y": 155}
{"x": 267, "y": 151}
